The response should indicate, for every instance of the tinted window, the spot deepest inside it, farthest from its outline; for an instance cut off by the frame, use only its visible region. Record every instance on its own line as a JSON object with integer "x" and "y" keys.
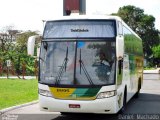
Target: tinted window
{"x": 80, "y": 29}
{"x": 77, "y": 63}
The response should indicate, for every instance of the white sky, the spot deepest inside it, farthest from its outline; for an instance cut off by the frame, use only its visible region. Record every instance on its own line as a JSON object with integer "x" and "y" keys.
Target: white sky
{"x": 28, "y": 14}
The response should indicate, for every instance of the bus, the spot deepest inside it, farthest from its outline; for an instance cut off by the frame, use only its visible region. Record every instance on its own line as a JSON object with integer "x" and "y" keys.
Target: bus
{"x": 88, "y": 64}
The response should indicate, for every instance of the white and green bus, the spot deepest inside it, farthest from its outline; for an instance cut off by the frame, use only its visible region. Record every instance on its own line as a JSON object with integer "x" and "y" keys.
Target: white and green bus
{"x": 88, "y": 64}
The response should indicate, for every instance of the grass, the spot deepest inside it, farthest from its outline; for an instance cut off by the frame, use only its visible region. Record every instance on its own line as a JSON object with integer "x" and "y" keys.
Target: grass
{"x": 149, "y": 68}
{"x": 17, "y": 91}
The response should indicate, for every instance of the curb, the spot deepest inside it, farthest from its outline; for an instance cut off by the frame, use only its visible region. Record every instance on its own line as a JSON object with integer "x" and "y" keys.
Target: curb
{"x": 16, "y": 107}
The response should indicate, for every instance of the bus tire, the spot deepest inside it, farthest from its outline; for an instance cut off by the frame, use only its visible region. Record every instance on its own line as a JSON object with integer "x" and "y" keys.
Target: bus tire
{"x": 139, "y": 87}
{"x": 124, "y": 101}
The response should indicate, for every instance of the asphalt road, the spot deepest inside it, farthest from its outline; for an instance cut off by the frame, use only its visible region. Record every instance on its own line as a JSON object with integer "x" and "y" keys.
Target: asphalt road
{"x": 147, "y": 106}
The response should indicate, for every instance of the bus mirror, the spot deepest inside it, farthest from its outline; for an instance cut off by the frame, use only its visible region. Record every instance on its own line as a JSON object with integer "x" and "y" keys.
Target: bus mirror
{"x": 45, "y": 45}
{"x": 120, "y": 47}
{"x": 31, "y": 44}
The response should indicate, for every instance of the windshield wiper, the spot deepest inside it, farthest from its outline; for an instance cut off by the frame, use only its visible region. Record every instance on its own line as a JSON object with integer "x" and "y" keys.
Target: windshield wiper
{"x": 41, "y": 59}
{"x": 62, "y": 68}
{"x": 84, "y": 69}
{"x": 66, "y": 59}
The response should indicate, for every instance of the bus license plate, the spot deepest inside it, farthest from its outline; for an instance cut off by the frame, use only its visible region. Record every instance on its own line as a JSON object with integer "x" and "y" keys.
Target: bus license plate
{"x": 74, "y": 106}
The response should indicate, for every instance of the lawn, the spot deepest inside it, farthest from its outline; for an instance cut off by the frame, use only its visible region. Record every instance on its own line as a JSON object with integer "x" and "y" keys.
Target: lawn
{"x": 17, "y": 91}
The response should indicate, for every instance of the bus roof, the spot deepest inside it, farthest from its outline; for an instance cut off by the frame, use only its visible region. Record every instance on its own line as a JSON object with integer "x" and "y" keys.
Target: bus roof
{"x": 93, "y": 17}
{"x": 89, "y": 17}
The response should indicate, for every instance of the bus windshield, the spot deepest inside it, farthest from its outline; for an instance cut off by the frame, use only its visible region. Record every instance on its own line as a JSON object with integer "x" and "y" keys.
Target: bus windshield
{"x": 77, "y": 62}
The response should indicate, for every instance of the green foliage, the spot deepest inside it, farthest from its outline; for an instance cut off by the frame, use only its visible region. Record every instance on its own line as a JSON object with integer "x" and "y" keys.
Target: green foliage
{"x": 15, "y": 92}
{"x": 144, "y": 26}
{"x": 22, "y": 49}
{"x": 17, "y": 53}
{"x": 149, "y": 68}
{"x": 23, "y": 38}
{"x": 156, "y": 51}
{"x": 18, "y": 57}
{"x": 131, "y": 15}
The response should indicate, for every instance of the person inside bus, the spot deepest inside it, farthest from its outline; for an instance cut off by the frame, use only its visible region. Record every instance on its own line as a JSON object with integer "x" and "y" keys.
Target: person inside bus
{"x": 103, "y": 70}
{"x": 103, "y": 59}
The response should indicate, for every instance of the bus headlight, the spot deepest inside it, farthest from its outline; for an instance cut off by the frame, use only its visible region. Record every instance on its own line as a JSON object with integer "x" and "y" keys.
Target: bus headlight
{"x": 106, "y": 94}
{"x": 45, "y": 93}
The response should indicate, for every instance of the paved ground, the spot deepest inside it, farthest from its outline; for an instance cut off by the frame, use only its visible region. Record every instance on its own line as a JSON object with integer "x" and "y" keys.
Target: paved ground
{"x": 147, "y": 103}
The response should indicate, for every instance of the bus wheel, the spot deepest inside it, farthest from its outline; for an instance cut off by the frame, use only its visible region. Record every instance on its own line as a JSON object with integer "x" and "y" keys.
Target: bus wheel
{"x": 139, "y": 87}
{"x": 124, "y": 102}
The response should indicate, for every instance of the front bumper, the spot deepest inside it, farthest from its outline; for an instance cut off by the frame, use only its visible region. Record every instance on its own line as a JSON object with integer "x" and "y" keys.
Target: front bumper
{"x": 106, "y": 105}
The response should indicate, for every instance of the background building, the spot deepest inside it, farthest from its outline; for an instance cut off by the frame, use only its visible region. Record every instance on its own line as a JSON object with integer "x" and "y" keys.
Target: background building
{"x": 74, "y": 6}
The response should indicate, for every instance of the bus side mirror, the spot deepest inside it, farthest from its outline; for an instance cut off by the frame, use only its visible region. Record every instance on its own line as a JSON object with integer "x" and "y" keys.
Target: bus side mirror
{"x": 120, "y": 66}
{"x": 120, "y": 47}
{"x": 31, "y": 45}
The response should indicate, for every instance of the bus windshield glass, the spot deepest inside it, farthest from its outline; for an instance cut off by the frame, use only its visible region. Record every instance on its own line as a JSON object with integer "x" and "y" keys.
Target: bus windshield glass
{"x": 77, "y": 62}
{"x": 79, "y": 29}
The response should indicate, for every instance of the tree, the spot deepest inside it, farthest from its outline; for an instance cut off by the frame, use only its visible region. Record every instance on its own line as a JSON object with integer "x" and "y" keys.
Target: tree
{"x": 7, "y": 35}
{"x": 143, "y": 25}
{"x": 156, "y": 54}
{"x": 22, "y": 52}
{"x": 23, "y": 38}
{"x": 7, "y": 46}
{"x": 16, "y": 51}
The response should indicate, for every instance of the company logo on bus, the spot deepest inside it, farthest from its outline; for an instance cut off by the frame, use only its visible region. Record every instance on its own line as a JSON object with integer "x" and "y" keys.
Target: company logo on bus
{"x": 79, "y": 30}
{"x": 62, "y": 90}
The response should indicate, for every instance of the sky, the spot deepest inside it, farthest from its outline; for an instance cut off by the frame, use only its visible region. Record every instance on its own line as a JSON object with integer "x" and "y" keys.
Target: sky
{"x": 29, "y": 14}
